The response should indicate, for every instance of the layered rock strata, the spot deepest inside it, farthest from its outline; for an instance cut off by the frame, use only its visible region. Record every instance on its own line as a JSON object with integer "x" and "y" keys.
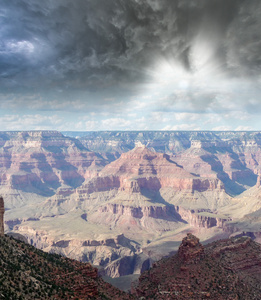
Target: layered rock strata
{"x": 202, "y": 218}
{"x": 233, "y": 157}
{"x": 138, "y": 177}
{"x": 42, "y": 162}
{"x": 141, "y": 169}
{"x": 145, "y": 195}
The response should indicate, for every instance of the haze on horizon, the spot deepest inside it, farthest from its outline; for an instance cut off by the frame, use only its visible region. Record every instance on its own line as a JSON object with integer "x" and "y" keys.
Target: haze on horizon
{"x": 130, "y": 65}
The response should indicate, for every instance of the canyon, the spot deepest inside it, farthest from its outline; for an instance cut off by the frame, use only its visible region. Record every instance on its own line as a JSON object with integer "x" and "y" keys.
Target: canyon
{"x": 122, "y": 200}
{"x": 224, "y": 269}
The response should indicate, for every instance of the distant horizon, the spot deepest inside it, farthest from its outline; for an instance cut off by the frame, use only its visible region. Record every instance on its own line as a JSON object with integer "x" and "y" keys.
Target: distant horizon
{"x": 147, "y": 130}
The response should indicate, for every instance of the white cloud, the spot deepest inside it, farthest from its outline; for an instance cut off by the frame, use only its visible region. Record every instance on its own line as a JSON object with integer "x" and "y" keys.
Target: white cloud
{"x": 20, "y": 46}
{"x": 157, "y": 116}
{"x": 30, "y": 122}
{"x": 238, "y": 115}
{"x": 212, "y": 119}
{"x": 187, "y": 116}
{"x": 244, "y": 128}
{"x": 222, "y": 128}
{"x": 114, "y": 123}
{"x": 182, "y": 127}
{"x": 91, "y": 125}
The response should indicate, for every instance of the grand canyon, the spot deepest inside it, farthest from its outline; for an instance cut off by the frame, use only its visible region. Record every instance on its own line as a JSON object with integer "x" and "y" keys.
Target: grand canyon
{"x": 130, "y": 149}
{"x": 123, "y": 200}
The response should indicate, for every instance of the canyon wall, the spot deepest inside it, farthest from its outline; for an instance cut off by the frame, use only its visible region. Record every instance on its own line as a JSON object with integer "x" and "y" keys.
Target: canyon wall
{"x": 43, "y": 162}
{"x": 233, "y": 157}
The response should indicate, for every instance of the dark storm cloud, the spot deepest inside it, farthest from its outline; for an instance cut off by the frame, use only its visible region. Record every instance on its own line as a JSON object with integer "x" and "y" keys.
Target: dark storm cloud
{"x": 244, "y": 39}
{"x": 101, "y": 43}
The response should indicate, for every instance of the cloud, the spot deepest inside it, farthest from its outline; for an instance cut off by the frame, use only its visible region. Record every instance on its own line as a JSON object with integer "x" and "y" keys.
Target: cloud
{"x": 131, "y": 64}
{"x": 222, "y": 128}
{"x": 115, "y": 123}
{"x": 93, "y": 44}
{"x": 244, "y": 128}
{"x": 91, "y": 125}
{"x": 27, "y": 122}
{"x": 187, "y": 116}
{"x": 244, "y": 39}
{"x": 182, "y": 127}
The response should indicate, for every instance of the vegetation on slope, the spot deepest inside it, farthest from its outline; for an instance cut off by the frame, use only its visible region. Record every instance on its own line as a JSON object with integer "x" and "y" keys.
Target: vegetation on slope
{"x": 29, "y": 273}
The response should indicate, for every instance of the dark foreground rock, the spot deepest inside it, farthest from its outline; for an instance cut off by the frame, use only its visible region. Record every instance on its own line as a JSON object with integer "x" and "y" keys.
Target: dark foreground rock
{"x": 29, "y": 273}
{"x": 226, "y": 269}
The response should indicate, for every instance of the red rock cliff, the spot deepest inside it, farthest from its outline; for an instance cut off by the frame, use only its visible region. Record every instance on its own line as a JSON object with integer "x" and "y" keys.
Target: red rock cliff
{"x": 141, "y": 168}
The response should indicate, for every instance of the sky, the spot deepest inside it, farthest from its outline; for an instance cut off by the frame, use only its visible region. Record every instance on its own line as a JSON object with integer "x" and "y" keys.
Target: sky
{"x": 84, "y": 65}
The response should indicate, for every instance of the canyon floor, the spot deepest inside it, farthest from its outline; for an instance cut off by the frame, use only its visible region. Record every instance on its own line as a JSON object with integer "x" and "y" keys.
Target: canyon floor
{"x": 123, "y": 200}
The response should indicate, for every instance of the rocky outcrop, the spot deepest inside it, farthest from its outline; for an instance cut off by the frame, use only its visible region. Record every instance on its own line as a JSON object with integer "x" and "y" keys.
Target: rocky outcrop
{"x": 157, "y": 212}
{"x": 258, "y": 181}
{"x": 2, "y": 211}
{"x": 99, "y": 184}
{"x": 190, "y": 249}
{"x": 126, "y": 195}
{"x": 137, "y": 179}
{"x": 224, "y": 269}
{"x": 202, "y": 218}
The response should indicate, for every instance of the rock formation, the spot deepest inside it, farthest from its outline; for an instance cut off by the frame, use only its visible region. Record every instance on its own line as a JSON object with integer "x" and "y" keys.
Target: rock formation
{"x": 190, "y": 249}
{"x": 141, "y": 170}
{"x": 202, "y": 218}
{"x": 233, "y": 157}
{"x": 147, "y": 187}
{"x": 2, "y": 211}
{"x": 43, "y": 162}
{"x": 226, "y": 269}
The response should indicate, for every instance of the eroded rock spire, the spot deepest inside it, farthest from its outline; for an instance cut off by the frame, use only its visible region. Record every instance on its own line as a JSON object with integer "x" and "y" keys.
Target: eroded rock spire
{"x": 2, "y": 211}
